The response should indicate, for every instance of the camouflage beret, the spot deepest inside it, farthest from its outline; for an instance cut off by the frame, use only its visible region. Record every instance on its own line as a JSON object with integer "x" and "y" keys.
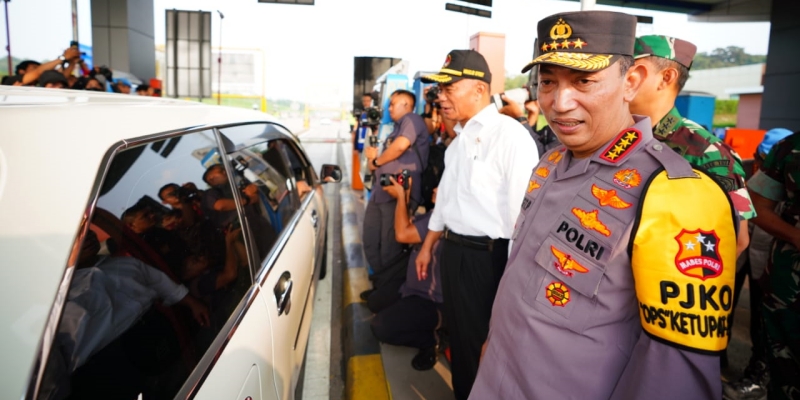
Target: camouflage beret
{"x": 671, "y": 48}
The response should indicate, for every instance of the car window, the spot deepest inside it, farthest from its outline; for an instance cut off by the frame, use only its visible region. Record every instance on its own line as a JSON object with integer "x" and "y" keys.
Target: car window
{"x": 301, "y": 170}
{"x": 263, "y": 167}
{"x": 161, "y": 271}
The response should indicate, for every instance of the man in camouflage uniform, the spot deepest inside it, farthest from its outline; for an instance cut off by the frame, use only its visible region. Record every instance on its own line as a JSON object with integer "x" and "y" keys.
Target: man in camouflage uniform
{"x": 667, "y": 61}
{"x": 778, "y": 180}
{"x": 620, "y": 279}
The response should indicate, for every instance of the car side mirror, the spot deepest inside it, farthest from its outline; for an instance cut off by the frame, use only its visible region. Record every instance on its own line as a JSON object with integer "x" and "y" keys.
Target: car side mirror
{"x": 330, "y": 173}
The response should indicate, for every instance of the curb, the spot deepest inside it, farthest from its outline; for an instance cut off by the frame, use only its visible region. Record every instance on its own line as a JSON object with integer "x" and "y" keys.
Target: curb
{"x": 365, "y": 375}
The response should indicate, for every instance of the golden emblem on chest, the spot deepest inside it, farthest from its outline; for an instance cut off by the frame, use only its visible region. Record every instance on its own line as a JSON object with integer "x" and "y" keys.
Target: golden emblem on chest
{"x": 628, "y": 178}
{"x": 543, "y": 172}
{"x": 557, "y": 294}
{"x": 555, "y": 157}
{"x": 565, "y": 263}
{"x": 590, "y": 220}
{"x": 609, "y": 198}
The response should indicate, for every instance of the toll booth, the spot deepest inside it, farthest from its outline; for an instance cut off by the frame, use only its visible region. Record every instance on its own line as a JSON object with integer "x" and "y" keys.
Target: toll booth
{"x": 697, "y": 106}
{"x": 419, "y": 89}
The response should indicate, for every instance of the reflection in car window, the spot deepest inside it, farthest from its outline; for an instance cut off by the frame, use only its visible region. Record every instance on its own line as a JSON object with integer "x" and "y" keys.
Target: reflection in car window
{"x": 159, "y": 274}
{"x": 262, "y": 167}
{"x": 302, "y": 172}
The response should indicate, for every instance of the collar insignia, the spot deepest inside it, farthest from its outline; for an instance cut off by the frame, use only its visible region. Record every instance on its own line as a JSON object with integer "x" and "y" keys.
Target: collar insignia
{"x": 622, "y": 145}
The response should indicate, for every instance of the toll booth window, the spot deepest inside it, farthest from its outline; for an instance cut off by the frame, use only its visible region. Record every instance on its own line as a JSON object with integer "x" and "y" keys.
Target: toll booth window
{"x": 160, "y": 273}
{"x": 265, "y": 178}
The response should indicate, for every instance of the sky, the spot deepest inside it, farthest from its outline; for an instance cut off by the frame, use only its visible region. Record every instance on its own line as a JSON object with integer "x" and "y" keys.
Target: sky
{"x": 310, "y": 49}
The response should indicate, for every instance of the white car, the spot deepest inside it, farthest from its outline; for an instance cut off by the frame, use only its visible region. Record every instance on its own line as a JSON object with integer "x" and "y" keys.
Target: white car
{"x": 153, "y": 248}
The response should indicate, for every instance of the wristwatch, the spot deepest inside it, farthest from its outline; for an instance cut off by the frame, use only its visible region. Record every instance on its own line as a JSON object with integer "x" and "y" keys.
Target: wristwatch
{"x": 522, "y": 119}
{"x": 62, "y": 58}
{"x": 375, "y": 163}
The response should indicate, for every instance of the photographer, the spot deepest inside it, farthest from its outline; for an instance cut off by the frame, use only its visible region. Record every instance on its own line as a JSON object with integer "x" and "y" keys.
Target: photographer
{"x": 433, "y": 119}
{"x": 365, "y": 126}
{"x": 414, "y": 316}
{"x": 32, "y": 75}
{"x": 220, "y": 207}
{"x": 406, "y": 148}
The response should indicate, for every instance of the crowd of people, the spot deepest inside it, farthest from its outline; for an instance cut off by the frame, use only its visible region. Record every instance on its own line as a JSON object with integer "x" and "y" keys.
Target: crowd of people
{"x": 70, "y": 71}
{"x": 593, "y": 258}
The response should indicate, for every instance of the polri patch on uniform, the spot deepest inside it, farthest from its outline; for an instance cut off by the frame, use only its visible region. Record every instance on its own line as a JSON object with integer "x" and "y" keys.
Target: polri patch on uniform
{"x": 557, "y": 294}
{"x": 628, "y": 178}
{"x": 525, "y": 204}
{"x": 698, "y": 256}
{"x": 609, "y": 198}
{"x": 591, "y": 220}
{"x": 622, "y": 145}
{"x": 566, "y": 264}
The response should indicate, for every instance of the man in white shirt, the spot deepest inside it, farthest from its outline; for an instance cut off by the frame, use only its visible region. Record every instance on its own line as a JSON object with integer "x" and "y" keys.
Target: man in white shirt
{"x": 488, "y": 166}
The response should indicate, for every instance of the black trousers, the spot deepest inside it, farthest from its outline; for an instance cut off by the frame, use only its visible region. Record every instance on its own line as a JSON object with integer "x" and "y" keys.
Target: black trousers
{"x": 410, "y": 321}
{"x": 756, "y": 322}
{"x": 469, "y": 283}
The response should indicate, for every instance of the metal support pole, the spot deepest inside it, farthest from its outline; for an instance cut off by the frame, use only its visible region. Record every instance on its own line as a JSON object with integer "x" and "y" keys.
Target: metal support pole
{"x": 219, "y": 61}
{"x": 75, "y": 20}
{"x": 587, "y": 4}
{"x": 11, "y": 71}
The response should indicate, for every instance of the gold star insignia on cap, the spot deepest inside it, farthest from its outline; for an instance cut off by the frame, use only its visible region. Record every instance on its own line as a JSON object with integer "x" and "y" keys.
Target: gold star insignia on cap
{"x": 565, "y": 44}
{"x": 545, "y": 47}
{"x": 579, "y": 44}
{"x": 553, "y": 45}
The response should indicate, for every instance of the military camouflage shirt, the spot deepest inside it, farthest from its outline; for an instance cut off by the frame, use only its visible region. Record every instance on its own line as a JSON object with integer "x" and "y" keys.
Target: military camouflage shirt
{"x": 704, "y": 150}
{"x": 779, "y": 178}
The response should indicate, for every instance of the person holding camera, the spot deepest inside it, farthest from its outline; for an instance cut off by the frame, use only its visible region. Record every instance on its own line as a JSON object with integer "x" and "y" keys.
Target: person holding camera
{"x": 406, "y": 148}
{"x": 487, "y": 169}
{"x": 413, "y": 318}
{"x": 363, "y": 128}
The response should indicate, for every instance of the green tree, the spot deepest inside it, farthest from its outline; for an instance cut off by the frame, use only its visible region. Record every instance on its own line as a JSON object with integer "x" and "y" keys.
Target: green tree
{"x": 515, "y": 82}
{"x": 730, "y": 56}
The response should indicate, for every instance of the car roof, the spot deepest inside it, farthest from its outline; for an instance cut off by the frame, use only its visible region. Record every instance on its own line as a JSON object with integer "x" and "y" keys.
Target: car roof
{"x": 52, "y": 145}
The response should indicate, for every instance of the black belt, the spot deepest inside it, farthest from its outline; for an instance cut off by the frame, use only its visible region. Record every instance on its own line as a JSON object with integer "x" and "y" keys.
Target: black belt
{"x": 473, "y": 242}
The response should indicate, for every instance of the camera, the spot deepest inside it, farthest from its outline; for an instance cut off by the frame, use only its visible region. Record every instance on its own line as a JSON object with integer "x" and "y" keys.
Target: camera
{"x": 373, "y": 140}
{"x": 401, "y": 178}
{"x": 432, "y": 95}
{"x": 187, "y": 195}
{"x": 105, "y": 71}
{"x": 371, "y": 117}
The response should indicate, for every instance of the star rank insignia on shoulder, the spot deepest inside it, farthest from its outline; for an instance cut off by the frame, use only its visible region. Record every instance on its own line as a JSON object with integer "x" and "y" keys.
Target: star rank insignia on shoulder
{"x": 622, "y": 145}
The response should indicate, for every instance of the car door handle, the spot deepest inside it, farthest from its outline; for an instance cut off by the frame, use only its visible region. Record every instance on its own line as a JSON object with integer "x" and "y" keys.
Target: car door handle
{"x": 314, "y": 218}
{"x": 283, "y": 293}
